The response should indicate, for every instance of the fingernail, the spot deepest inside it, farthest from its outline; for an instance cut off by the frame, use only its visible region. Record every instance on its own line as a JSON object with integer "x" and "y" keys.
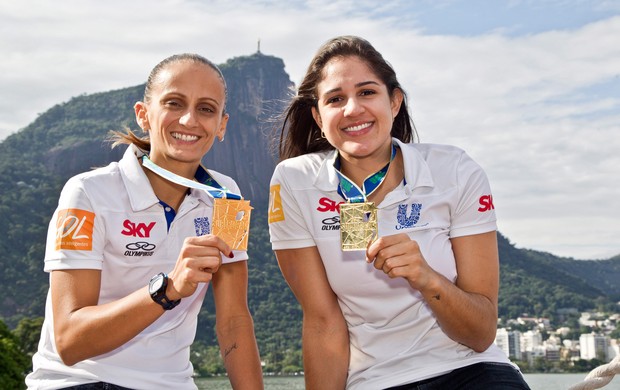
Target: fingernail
{"x": 231, "y": 255}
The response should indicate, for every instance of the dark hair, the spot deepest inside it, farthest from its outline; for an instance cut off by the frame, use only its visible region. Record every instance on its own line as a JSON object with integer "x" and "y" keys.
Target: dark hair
{"x": 300, "y": 134}
{"x": 129, "y": 136}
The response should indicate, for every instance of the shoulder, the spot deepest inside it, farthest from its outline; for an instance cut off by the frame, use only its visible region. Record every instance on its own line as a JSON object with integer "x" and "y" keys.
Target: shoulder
{"x": 441, "y": 158}
{"x": 304, "y": 166}
{"x": 431, "y": 152}
{"x": 224, "y": 180}
{"x": 99, "y": 178}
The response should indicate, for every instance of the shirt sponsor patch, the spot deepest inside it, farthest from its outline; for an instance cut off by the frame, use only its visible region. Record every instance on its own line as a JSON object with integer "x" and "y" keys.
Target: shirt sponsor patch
{"x": 276, "y": 213}
{"x": 74, "y": 229}
{"x": 486, "y": 203}
{"x": 202, "y": 226}
{"x": 408, "y": 219}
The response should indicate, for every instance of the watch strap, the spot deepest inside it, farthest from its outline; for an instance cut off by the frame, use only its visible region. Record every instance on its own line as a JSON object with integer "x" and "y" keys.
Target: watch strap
{"x": 160, "y": 296}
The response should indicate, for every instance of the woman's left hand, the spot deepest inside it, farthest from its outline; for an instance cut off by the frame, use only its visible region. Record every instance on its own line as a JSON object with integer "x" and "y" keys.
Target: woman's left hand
{"x": 400, "y": 256}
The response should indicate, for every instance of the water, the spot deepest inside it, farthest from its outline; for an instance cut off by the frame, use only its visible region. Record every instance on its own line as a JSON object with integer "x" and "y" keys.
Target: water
{"x": 536, "y": 382}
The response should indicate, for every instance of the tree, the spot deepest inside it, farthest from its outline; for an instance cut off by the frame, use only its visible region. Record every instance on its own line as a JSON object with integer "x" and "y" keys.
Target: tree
{"x": 13, "y": 362}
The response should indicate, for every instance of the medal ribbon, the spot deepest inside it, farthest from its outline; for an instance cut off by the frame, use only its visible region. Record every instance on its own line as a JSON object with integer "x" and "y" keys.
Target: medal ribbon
{"x": 205, "y": 181}
{"x": 351, "y": 192}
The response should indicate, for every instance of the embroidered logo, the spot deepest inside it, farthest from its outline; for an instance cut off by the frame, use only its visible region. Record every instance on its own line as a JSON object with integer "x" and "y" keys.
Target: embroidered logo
{"x": 139, "y": 229}
{"x": 276, "y": 213}
{"x": 406, "y": 221}
{"x": 202, "y": 226}
{"x": 327, "y": 205}
{"x": 332, "y": 223}
{"x": 74, "y": 229}
{"x": 486, "y": 203}
{"x": 140, "y": 248}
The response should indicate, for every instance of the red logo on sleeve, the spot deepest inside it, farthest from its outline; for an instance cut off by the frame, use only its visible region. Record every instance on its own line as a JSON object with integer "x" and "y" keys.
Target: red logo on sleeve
{"x": 486, "y": 203}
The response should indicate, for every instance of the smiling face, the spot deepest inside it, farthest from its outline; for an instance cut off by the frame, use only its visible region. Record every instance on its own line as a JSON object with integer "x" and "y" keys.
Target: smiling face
{"x": 355, "y": 110}
{"x": 184, "y": 115}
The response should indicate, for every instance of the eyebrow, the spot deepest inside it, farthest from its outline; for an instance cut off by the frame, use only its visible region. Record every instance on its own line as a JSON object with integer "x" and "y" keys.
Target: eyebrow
{"x": 363, "y": 83}
{"x": 174, "y": 94}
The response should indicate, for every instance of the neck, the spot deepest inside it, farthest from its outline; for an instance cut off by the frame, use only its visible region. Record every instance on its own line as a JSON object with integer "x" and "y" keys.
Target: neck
{"x": 170, "y": 193}
{"x": 358, "y": 169}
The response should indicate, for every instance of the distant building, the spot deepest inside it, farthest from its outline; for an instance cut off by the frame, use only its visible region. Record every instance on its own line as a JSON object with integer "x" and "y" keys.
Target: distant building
{"x": 531, "y": 340}
{"x": 594, "y": 346}
{"x": 509, "y": 342}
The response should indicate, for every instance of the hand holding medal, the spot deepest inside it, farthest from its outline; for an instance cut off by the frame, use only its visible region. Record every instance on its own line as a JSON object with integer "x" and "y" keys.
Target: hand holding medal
{"x": 231, "y": 213}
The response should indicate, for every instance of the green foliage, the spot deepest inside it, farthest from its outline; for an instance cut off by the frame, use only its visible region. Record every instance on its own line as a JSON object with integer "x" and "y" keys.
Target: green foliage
{"x": 13, "y": 362}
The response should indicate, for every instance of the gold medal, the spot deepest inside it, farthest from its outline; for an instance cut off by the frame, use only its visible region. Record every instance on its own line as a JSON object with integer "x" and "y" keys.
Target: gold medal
{"x": 358, "y": 225}
{"x": 231, "y": 221}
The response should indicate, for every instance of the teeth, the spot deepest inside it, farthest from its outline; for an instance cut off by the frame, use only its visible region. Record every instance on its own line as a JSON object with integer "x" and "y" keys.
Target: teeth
{"x": 184, "y": 137}
{"x": 358, "y": 127}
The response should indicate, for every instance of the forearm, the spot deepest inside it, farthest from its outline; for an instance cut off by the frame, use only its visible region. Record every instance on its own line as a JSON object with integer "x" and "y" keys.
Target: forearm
{"x": 468, "y": 318}
{"x": 94, "y": 330}
{"x": 326, "y": 355}
{"x": 240, "y": 353}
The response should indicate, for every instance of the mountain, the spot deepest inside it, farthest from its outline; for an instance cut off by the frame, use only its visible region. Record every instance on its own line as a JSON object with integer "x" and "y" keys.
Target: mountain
{"x": 69, "y": 138}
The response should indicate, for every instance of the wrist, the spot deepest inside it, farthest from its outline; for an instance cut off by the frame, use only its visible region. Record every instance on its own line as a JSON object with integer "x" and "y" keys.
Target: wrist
{"x": 158, "y": 286}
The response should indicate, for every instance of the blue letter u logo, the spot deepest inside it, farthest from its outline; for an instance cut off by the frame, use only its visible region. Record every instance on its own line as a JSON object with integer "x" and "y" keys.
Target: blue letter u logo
{"x": 407, "y": 221}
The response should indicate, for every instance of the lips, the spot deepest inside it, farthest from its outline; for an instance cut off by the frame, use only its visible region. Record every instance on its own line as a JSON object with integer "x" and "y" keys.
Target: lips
{"x": 358, "y": 127}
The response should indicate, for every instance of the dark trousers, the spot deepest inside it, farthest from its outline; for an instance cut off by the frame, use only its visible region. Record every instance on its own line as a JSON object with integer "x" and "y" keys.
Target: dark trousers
{"x": 479, "y": 376}
{"x": 97, "y": 386}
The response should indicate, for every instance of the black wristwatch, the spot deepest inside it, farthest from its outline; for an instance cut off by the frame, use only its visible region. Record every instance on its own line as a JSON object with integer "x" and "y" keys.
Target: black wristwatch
{"x": 157, "y": 289}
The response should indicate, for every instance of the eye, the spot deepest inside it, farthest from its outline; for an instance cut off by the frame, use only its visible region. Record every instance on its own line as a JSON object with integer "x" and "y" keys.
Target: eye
{"x": 367, "y": 92}
{"x": 206, "y": 109}
{"x": 333, "y": 99}
{"x": 172, "y": 103}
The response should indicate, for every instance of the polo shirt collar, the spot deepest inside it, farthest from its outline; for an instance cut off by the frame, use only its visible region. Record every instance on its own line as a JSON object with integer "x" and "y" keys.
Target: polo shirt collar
{"x": 139, "y": 190}
{"x": 417, "y": 172}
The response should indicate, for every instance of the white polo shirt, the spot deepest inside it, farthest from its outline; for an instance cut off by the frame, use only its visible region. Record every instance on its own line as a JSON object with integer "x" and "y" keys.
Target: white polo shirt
{"x": 394, "y": 337}
{"x": 110, "y": 219}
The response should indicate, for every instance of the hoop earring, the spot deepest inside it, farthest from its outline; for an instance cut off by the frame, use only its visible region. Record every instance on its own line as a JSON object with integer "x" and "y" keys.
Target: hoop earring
{"x": 323, "y": 134}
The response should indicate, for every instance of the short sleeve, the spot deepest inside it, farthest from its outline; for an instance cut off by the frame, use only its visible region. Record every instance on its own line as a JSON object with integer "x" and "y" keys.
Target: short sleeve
{"x": 75, "y": 236}
{"x": 474, "y": 212}
{"x": 287, "y": 227}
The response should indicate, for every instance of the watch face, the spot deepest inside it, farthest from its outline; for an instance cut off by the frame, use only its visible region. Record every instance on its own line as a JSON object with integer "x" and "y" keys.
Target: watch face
{"x": 157, "y": 283}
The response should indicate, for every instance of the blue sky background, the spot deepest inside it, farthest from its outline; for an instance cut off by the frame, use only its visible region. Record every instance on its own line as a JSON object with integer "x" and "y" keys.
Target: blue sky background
{"x": 530, "y": 89}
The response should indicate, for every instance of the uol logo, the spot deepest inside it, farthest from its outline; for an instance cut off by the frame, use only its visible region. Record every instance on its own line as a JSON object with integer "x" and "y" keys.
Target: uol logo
{"x": 406, "y": 221}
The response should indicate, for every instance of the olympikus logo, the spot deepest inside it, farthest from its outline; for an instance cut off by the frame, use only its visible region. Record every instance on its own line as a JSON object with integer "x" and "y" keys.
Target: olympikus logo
{"x": 406, "y": 221}
{"x": 141, "y": 248}
{"x": 137, "y": 229}
{"x": 328, "y": 205}
{"x": 486, "y": 203}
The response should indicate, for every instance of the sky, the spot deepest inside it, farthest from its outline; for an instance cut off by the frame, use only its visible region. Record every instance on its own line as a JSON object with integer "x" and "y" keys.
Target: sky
{"x": 529, "y": 88}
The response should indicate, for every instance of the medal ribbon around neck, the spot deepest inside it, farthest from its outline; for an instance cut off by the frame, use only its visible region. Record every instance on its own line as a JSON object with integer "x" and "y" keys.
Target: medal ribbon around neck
{"x": 351, "y": 192}
{"x": 231, "y": 214}
{"x": 208, "y": 183}
{"x": 358, "y": 217}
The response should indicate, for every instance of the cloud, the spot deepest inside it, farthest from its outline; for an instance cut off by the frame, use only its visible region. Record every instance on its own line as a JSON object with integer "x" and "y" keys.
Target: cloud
{"x": 539, "y": 111}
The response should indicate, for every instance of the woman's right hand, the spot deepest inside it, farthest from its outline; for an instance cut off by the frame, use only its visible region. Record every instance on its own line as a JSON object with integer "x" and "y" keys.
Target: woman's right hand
{"x": 198, "y": 260}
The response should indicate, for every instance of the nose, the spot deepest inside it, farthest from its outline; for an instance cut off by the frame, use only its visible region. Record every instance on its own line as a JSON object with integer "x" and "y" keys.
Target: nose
{"x": 353, "y": 107}
{"x": 188, "y": 119}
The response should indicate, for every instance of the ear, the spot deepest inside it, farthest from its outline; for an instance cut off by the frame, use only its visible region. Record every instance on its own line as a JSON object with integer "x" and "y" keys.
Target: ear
{"x": 141, "y": 118}
{"x": 222, "y": 130}
{"x": 317, "y": 117}
{"x": 397, "y": 100}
